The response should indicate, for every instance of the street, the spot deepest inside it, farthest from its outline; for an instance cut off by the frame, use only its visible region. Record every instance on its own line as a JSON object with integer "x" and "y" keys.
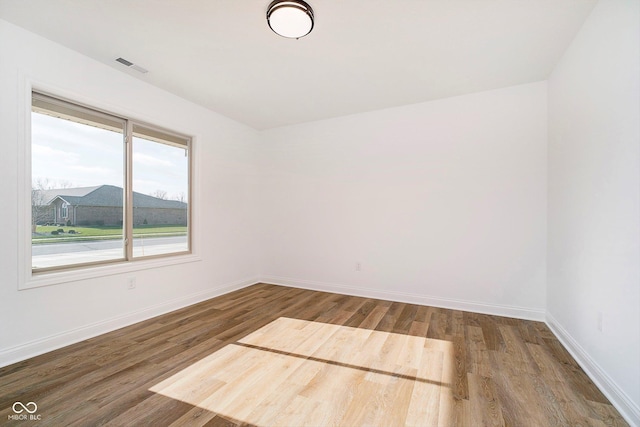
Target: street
{"x": 68, "y": 253}
{"x": 97, "y": 245}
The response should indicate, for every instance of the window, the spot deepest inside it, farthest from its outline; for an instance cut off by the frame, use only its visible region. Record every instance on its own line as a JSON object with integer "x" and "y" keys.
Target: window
{"x": 63, "y": 210}
{"x": 104, "y": 188}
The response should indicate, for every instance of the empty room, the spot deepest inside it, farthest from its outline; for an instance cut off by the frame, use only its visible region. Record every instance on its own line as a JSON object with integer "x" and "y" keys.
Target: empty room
{"x": 320, "y": 213}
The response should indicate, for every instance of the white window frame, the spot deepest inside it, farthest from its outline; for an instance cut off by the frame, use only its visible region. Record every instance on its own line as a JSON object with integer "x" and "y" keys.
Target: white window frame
{"x": 26, "y": 277}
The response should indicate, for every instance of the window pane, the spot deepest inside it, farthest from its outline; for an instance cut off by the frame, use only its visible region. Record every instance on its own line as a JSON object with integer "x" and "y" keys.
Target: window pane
{"x": 77, "y": 186}
{"x": 160, "y": 194}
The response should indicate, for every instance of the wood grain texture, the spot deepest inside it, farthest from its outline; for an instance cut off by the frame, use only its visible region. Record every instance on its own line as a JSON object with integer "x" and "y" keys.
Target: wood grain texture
{"x": 275, "y": 356}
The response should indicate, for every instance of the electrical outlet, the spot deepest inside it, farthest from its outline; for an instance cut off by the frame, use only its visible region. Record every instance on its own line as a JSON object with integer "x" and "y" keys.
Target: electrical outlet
{"x": 131, "y": 283}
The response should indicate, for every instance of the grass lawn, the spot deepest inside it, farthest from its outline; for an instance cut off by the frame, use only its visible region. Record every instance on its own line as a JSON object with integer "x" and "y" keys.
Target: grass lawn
{"x": 43, "y": 232}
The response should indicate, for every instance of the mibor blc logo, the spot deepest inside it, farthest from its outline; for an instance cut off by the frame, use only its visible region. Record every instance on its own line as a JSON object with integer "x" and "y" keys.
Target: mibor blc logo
{"x": 24, "y": 411}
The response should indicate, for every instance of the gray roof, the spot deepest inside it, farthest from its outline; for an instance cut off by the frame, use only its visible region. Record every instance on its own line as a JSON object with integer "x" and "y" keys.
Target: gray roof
{"x": 108, "y": 196}
{"x": 49, "y": 195}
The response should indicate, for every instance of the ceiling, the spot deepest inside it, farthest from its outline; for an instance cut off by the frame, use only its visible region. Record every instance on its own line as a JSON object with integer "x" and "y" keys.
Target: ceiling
{"x": 362, "y": 55}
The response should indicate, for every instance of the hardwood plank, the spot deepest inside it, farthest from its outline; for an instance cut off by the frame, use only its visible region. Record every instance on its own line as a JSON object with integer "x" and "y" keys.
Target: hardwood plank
{"x": 418, "y": 329}
{"x": 460, "y": 387}
{"x": 375, "y": 316}
{"x": 277, "y": 356}
{"x": 425, "y": 402}
{"x": 359, "y": 410}
{"x": 405, "y": 319}
{"x": 485, "y": 407}
{"x": 438, "y": 324}
{"x": 390, "y": 318}
{"x": 492, "y": 336}
{"x": 477, "y": 354}
{"x": 361, "y": 313}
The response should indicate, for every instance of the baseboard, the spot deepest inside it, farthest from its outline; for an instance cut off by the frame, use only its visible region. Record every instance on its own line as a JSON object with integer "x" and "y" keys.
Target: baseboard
{"x": 627, "y": 408}
{"x": 454, "y": 304}
{"x": 53, "y": 342}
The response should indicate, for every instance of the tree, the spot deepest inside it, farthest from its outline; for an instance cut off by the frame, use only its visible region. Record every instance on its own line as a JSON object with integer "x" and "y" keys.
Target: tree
{"x": 40, "y": 195}
{"x": 160, "y": 194}
{"x": 40, "y": 211}
{"x": 181, "y": 197}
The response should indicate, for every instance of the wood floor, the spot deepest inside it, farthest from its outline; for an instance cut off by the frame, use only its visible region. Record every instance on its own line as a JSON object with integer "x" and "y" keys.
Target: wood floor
{"x": 270, "y": 355}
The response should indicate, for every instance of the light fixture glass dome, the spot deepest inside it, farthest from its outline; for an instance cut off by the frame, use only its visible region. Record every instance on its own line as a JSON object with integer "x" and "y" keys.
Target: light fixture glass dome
{"x": 290, "y": 18}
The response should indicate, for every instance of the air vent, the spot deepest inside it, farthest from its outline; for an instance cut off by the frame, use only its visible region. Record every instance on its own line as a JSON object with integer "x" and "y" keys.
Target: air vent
{"x": 125, "y": 62}
{"x": 132, "y": 65}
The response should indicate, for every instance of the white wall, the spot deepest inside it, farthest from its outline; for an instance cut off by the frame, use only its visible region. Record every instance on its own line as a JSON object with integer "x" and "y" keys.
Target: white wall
{"x": 594, "y": 199}
{"x": 442, "y": 202}
{"x": 33, "y": 320}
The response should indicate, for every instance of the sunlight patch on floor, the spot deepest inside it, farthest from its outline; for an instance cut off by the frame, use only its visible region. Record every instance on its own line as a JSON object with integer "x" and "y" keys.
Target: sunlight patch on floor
{"x": 298, "y": 372}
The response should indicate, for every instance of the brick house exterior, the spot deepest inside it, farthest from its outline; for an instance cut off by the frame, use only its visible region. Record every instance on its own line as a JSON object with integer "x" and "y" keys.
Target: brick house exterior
{"x": 102, "y": 205}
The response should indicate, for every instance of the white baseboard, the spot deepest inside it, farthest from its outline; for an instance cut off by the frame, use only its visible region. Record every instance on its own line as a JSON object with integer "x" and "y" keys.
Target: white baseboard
{"x": 53, "y": 342}
{"x": 627, "y": 408}
{"x": 454, "y": 304}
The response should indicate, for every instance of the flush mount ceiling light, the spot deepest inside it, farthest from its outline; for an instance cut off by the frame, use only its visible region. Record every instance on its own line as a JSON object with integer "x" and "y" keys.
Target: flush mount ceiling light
{"x": 290, "y": 18}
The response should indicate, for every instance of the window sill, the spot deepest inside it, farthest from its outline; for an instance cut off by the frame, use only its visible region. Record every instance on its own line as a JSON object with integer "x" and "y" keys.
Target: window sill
{"x": 76, "y": 274}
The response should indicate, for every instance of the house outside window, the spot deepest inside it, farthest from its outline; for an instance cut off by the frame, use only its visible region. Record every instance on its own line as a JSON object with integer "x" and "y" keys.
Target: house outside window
{"x": 115, "y": 190}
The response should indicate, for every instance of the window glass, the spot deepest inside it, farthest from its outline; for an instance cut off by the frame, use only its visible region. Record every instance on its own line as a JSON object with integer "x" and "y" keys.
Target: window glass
{"x": 76, "y": 196}
{"x": 160, "y": 194}
{"x": 85, "y": 209}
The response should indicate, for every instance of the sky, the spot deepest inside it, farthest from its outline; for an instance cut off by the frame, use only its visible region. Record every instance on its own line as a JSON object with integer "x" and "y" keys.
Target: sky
{"x": 69, "y": 154}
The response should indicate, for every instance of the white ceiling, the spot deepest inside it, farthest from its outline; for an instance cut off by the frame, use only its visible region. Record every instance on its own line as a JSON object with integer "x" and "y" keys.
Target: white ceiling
{"x": 362, "y": 55}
